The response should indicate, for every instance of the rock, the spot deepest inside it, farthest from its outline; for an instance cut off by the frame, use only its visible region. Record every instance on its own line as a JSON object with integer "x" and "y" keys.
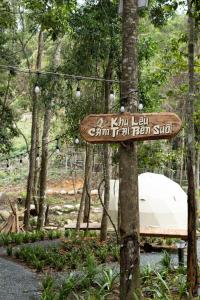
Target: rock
{"x": 71, "y": 193}
{"x": 67, "y": 221}
{"x": 74, "y": 213}
{"x": 63, "y": 192}
{"x": 56, "y": 207}
{"x": 68, "y": 206}
{"x": 94, "y": 192}
{"x": 49, "y": 191}
{"x": 97, "y": 209}
{"x": 59, "y": 213}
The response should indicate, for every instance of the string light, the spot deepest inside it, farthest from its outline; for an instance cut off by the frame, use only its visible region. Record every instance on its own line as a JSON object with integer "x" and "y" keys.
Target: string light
{"x": 122, "y": 109}
{"x": 20, "y": 160}
{"x": 112, "y": 95}
{"x": 140, "y": 106}
{"x": 57, "y": 146}
{"x": 78, "y": 90}
{"x": 7, "y": 164}
{"x": 26, "y": 153}
{"x": 37, "y": 89}
{"x": 76, "y": 141}
{"x": 21, "y": 10}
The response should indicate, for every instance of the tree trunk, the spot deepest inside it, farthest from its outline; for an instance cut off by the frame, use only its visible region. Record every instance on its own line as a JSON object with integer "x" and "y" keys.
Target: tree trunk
{"x": 45, "y": 152}
{"x": 128, "y": 174}
{"x": 44, "y": 164}
{"x": 197, "y": 160}
{"x": 192, "y": 273}
{"x": 37, "y": 167}
{"x": 87, "y": 182}
{"x": 106, "y": 152}
{"x": 33, "y": 150}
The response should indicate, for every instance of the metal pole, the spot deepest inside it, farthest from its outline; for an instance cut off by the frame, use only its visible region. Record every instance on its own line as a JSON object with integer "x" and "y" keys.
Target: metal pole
{"x": 181, "y": 257}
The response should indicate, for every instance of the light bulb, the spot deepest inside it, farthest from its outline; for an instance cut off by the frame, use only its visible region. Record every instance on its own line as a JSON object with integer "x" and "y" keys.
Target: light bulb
{"x": 21, "y": 10}
{"x": 112, "y": 95}
{"x": 76, "y": 141}
{"x": 57, "y": 150}
{"x": 140, "y": 106}
{"x": 78, "y": 92}
{"x": 37, "y": 89}
{"x": 122, "y": 109}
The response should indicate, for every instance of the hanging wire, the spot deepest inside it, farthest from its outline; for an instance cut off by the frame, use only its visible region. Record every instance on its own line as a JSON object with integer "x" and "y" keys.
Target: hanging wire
{"x": 77, "y": 77}
{"x": 27, "y": 152}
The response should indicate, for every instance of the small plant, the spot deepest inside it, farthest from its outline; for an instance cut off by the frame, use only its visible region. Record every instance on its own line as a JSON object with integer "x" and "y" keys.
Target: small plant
{"x": 9, "y": 250}
{"x": 17, "y": 254}
{"x": 108, "y": 279}
{"x": 47, "y": 282}
{"x": 26, "y": 237}
{"x": 51, "y": 234}
{"x": 18, "y": 238}
{"x": 6, "y": 239}
{"x": 41, "y": 235}
{"x": 1, "y": 240}
{"x": 102, "y": 253}
{"x": 67, "y": 233}
{"x": 115, "y": 252}
{"x": 67, "y": 287}
{"x": 48, "y": 286}
{"x": 181, "y": 284}
{"x": 166, "y": 260}
{"x": 38, "y": 264}
{"x": 33, "y": 236}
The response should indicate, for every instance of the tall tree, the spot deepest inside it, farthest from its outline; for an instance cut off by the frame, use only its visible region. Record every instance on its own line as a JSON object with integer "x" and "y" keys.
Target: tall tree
{"x": 107, "y": 149}
{"x": 33, "y": 150}
{"x": 192, "y": 271}
{"x": 128, "y": 176}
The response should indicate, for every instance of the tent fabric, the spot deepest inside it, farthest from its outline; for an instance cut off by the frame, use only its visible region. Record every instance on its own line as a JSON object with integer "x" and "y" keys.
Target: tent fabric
{"x": 162, "y": 202}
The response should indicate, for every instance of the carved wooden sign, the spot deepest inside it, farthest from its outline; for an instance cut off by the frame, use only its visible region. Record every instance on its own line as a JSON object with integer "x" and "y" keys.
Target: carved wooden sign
{"x": 121, "y": 127}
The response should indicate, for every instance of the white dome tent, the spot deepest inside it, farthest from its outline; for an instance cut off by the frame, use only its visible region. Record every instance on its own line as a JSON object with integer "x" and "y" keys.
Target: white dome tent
{"x": 162, "y": 202}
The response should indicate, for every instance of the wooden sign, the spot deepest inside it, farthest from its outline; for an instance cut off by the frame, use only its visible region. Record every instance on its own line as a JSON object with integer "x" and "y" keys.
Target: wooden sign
{"x": 121, "y": 127}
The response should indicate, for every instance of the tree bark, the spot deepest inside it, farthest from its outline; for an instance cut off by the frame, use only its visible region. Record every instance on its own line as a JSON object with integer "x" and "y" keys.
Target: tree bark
{"x": 197, "y": 160}
{"x": 37, "y": 168}
{"x": 33, "y": 150}
{"x": 87, "y": 182}
{"x": 192, "y": 267}
{"x": 128, "y": 174}
{"x": 86, "y": 186}
{"x": 106, "y": 151}
{"x": 44, "y": 164}
{"x": 45, "y": 151}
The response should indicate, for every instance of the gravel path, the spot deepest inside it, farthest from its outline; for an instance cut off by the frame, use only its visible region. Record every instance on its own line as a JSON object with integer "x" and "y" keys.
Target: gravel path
{"x": 19, "y": 283}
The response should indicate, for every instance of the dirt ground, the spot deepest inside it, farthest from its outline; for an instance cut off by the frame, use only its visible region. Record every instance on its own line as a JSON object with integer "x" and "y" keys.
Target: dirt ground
{"x": 64, "y": 186}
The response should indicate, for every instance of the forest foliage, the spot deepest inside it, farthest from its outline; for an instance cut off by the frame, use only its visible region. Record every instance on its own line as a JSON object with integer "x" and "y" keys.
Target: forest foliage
{"x": 85, "y": 45}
